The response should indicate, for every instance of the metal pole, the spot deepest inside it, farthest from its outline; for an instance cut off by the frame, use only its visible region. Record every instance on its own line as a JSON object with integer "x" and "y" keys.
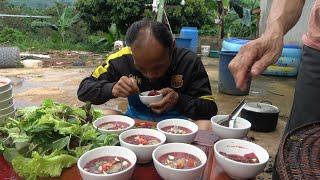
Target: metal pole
{"x": 160, "y": 11}
{"x": 24, "y": 16}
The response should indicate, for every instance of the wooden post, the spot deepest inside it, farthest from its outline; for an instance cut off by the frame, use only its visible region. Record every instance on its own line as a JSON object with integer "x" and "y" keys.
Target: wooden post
{"x": 221, "y": 23}
{"x": 160, "y": 11}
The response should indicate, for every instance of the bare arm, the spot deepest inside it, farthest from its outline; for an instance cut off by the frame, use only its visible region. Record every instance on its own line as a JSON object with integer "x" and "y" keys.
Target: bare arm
{"x": 284, "y": 14}
{"x": 256, "y": 56}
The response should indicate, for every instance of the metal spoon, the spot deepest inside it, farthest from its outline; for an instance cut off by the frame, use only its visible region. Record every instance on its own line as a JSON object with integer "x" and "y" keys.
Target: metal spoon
{"x": 233, "y": 116}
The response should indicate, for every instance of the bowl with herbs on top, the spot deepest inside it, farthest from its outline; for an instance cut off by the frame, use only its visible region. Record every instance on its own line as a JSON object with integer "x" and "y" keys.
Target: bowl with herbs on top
{"x": 240, "y": 159}
{"x": 142, "y": 142}
{"x": 179, "y": 161}
{"x": 115, "y": 124}
{"x": 178, "y": 130}
{"x": 107, "y": 163}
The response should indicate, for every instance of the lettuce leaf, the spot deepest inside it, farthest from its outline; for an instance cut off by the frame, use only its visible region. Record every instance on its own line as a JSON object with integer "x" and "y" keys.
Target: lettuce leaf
{"x": 81, "y": 150}
{"x": 43, "y": 166}
{"x": 97, "y": 113}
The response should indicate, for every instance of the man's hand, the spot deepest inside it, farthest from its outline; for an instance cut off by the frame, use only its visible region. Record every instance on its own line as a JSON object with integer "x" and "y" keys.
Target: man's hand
{"x": 125, "y": 87}
{"x": 255, "y": 57}
{"x": 170, "y": 99}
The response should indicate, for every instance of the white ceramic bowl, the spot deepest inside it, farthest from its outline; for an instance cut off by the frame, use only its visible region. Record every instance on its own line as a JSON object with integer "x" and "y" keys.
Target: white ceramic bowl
{"x": 4, "y": 118}
{"x": 241, "y": 129}
{"x": 6, "y": 94}
{"x": 6, "y": 103}
{"x": 239, "y": 170}
{"x": 169, "y": 173}
{"x": 5, "y": 84}
{"x": 107, "y": 151}
{"x": 144, "y": 153}
{"x": 147, "y": 100}
{"x": 112, "y": 118}
{"x": 182, "y": 138}
{"x": 7, "y": 110}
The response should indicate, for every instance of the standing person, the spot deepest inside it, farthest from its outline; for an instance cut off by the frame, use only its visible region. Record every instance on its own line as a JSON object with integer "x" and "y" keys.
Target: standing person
{"x": 257, "y": 55}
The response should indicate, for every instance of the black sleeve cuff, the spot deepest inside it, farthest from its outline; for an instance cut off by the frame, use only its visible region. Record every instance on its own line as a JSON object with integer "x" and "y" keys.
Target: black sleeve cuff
{"x": 183, "y": 101}
{"x": 107, "y": 91}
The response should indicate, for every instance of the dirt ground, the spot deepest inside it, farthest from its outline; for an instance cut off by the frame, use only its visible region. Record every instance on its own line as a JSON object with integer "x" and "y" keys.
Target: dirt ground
{"x": 60, "y": 80}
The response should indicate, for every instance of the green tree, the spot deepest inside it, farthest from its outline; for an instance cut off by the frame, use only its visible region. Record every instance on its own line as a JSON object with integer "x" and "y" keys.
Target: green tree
{"x": 194, "y": 13}
{"x": 100, "y": 14}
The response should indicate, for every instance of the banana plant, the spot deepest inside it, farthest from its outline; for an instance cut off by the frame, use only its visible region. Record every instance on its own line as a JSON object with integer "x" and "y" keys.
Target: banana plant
{"x": 66, "y": 19}
{"x": 252, "y": 4}
{"x": 111, "y": 36}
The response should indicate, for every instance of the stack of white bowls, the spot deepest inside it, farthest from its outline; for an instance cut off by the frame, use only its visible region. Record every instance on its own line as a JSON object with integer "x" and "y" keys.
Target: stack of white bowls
{"x": 7, "y": 108}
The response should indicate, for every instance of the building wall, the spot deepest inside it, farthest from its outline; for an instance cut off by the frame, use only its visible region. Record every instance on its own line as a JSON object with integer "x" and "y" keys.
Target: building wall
{"x": 295, "y": 34}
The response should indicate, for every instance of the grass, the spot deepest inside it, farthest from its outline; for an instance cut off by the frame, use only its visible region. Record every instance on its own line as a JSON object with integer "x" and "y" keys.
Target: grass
{"x": 45, "y": 41}
{"x": 41, "y": 44}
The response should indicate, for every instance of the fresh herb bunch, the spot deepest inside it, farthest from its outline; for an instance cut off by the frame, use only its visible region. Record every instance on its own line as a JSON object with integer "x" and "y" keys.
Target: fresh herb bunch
{"x": 42, "y": 141}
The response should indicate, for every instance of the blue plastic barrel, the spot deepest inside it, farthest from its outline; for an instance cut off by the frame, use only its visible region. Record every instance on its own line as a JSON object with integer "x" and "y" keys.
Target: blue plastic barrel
{"x": 226, "y": 81}
{"x": 190, "y": 33}
{"x": 183, "y": 43}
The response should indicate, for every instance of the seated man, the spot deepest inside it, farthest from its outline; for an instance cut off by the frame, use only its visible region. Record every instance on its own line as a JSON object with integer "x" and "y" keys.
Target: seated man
{"x": 152, "y": 62}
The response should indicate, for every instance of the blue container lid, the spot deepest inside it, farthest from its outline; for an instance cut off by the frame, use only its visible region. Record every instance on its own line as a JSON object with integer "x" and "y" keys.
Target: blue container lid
{"x": 233, "y": 53}
{"x": 245, "y": 41}
{"x": 191, "y": 28}
{"x": 237, "y": 41}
